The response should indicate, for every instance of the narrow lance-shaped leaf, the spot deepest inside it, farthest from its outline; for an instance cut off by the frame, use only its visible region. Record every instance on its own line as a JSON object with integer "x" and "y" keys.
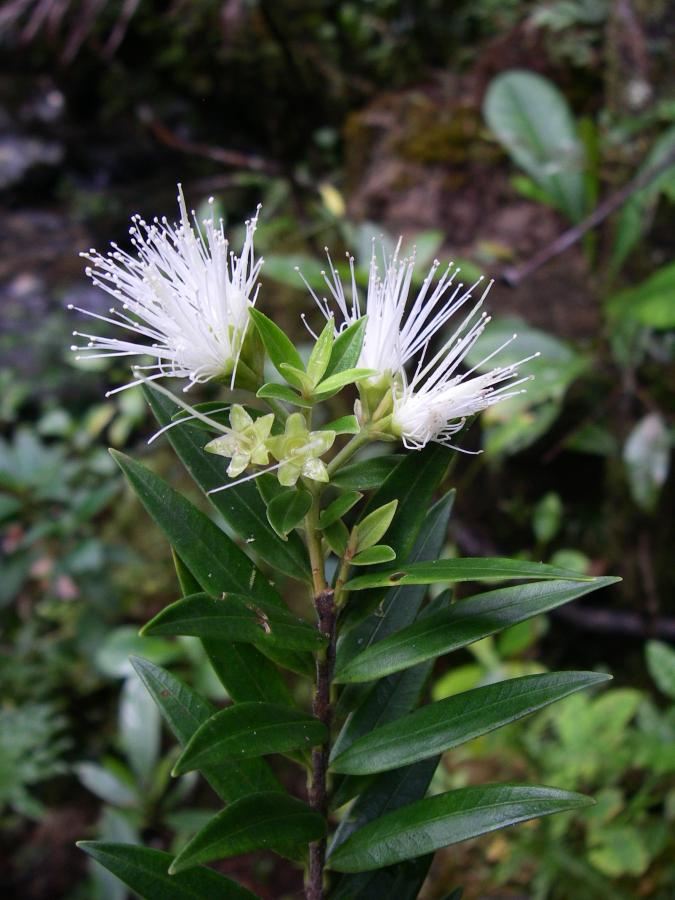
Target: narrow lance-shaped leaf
{"x": 264, "y": 821}
{"x": 240, "y": 505}
{"x": 367, "y": 474}
{"x": 441, "y": 571}
{"x": 466, "y": 622}
{"x": 249, "y": 730}
{"x": 334, "y": 383}
{"x": 236, "y": 618}
{"x": 448, "y": 723}
{"x": 321, "y": 352}
{"x": 184, "y": 711}
{"x": 436, "y": 822}
{"x": 274, "y": 391}
{"x": 372, "y": 527}
{"x": 145, "y": 871}
{"x": 339, "y": 508}
{"x": 380, "y": 553}
{"x": 215, "y": 561}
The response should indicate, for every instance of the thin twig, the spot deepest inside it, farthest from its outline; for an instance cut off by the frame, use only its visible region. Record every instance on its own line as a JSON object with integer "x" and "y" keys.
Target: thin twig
{"x": 513, "y": 276}
{"x": 233, "y": 158}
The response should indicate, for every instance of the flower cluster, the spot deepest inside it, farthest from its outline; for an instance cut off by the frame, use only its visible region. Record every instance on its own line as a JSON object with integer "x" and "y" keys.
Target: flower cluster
{"x": 186, "y": 299}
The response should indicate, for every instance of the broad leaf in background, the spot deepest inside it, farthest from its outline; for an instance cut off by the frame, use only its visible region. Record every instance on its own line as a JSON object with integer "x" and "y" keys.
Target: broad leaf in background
{"x": 145, "y": 871}
{"x": 449, "y": 818}
{"x": 139, "y": 728}
{"x": 636, "y": 214}
{"x": 651, "y": 303}
{"x": 661, "y": 665}
{"x": 646, "y": 455}
{"x": 514, "y": 424}
{"x": 531, "y": 118}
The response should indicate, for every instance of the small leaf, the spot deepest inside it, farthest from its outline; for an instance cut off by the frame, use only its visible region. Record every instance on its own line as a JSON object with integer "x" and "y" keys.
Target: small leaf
{"x": 337, "y": 537}
{"x": 347, "y": 348}
{"x": 343, "y": 425}
{"x": 279, "y": 347}
{"x": 184, "y": 711}
{"x": 448, "y": 723}
{"x": 380, "y": 553}
{"x": 321, "y": 352}
{"x": 288, "y": 510}
{"x": 106, "y": 784}
{"x": 441, "y": 571}
{"x": 145, "y": 871}
{"x": 235, "y": 618}
{"x": 647, "y": 458}
{"x": 466, "y": 622}
{"x": 297, "y": 377}
{"x": 436, "y": 822}
{"x": 367, "y": 474}
{"x": 275, "y": 391}
{"x": 265, "y": 821}
{"x": 249, "y": 730}
{"x": 338, "y": 508}
{"x": 374, "y": 526}
{"x": 661, "y": 665}
{"x": 335, "y": 382}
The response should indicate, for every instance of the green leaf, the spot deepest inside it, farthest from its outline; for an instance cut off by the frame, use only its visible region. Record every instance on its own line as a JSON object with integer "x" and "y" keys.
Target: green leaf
{"x": 107, "y": 784}
{"x": 646, "y": 455}
{"x": 297, "y": 377}
{"x": 370, "y": 529}
{"x": 246, "y": 676}
{"x": 650, "y": 303}
{"x": 240, "y": 506}
{"x": 380, "y": 553}
{"x": 112, "y": 655}
{"x": 145, "y": 871}
{"x": 264, "y": 821}
{"x": 338, "y": 508}
{"x": 389, "y": 699}
{"x": 219, "y": 566}
{"x": 636, "y": 214}
{"x": 215, "y": 561}
{"x": 249, "y": 730}
{"x": 661, "y": 665}
{"x": 448, "y": 723}
{"x": 531, "y": 118}
{"x": 413, "y": 483}
{"x": 466, "y": 622}
{"x": 367, "y": 474}
{"x": 288, "y": 510}
{"x": 275, "y": 391}
{"x": 442, "y": 571}
{"x": 279, "y": 348}
{"x": 343, "y": 425}
{"x": 139, "y": 728}
{"x": 436, "y": 822}
{"x": 335, "y": 382}
{"x": 337, "y": 537}
{"x": 347, "y": 348}
{"x": 321, "y": 352}
{"x": 184, "y": 712}
{"x": 236, "y": 618}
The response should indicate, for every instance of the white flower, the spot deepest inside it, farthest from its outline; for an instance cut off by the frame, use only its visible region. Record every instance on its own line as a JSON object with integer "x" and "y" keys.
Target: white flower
{"x": 183, "y": 295}
{"x": 434, "y": 404}
{"x": 396, "y": 330}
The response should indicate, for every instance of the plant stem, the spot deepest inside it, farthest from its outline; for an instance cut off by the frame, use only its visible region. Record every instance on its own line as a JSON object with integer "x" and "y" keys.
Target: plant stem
{"x": 321, "y": 705}
{"x": 348, "y": 450}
